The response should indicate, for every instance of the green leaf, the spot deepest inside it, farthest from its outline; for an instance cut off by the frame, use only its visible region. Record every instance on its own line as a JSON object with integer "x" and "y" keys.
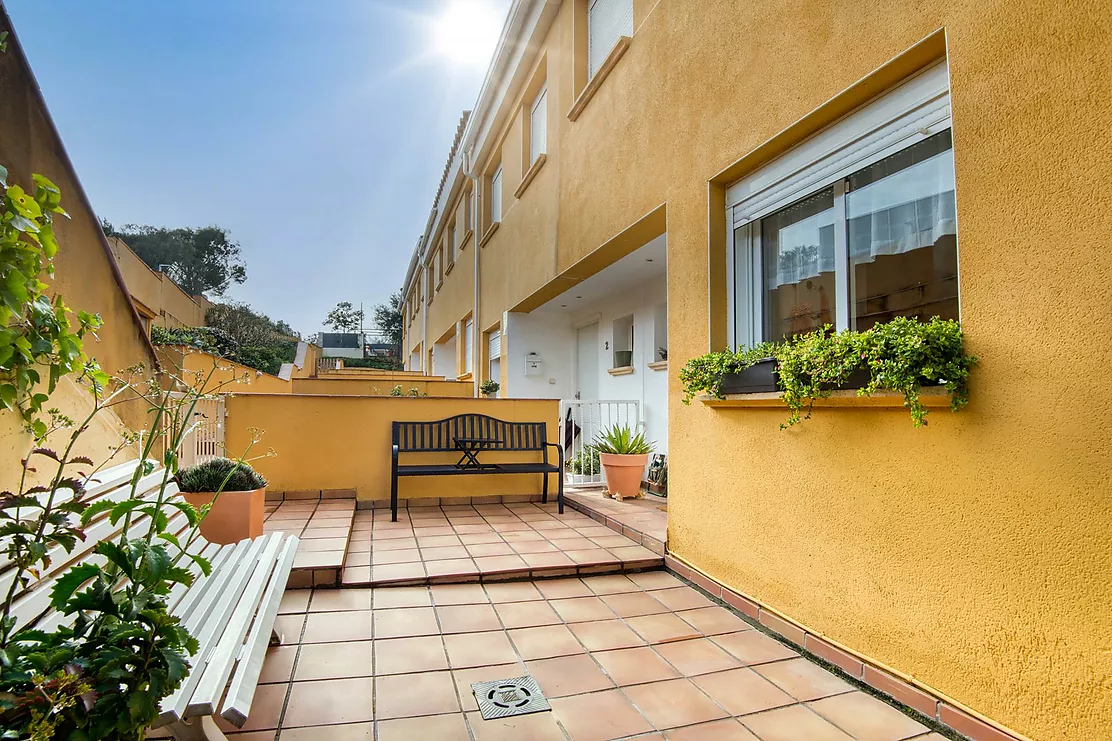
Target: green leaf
{"x": 70, "y": 582}
{"x": 117, "y": 556}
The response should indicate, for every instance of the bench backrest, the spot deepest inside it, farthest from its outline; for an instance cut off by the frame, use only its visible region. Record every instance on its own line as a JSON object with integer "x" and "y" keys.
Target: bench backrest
{"x": 440, "y": 436}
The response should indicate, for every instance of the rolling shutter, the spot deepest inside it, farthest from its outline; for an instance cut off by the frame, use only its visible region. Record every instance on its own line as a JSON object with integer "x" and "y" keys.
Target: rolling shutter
{"x": 496, "y": 195}
{"x": 468, "y": 346}
{"x": 607, "y": 21}
{"x": 538, "y": 126}
{"x": 495, "y": 345}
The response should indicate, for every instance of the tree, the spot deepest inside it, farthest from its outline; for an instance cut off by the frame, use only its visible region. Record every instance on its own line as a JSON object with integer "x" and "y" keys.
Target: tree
{"x": 388, "y": 319}
{"x": 199, "y": 259}
{"x": 345, "y": 318}
{"x": 246, "y": 326}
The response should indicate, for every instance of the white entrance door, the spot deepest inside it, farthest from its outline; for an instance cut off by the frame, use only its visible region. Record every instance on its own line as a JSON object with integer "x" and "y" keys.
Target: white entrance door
{"x": 587, "y": 363}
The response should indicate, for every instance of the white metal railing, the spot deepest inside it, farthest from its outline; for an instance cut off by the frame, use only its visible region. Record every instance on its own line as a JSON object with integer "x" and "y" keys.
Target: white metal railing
{"x": 580, "y": 423}
{"x": 206, "y": 440}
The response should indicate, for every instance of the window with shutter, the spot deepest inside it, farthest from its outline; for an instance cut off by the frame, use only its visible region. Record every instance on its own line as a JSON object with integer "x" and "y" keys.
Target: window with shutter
{"x": 468, "y": 346}
{"x": 607, "y": 21}
{"x": 496, "y": 195}
{"x": 538, "y": 126}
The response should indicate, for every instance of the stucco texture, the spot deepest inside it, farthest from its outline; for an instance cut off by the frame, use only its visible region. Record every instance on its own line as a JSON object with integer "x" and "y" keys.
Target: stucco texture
{"x": 973, "y": 554}
{"x": 343, "y": 442}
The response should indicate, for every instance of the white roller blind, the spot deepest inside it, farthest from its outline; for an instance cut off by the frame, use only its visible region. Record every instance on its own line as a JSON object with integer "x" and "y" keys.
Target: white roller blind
{"x": 538, "y": 126}
{"x": 468, "y": 346}
{"x": 495, "y": 345}
{"x": 607, "y": 21}
{"x": 911, "y": 112}
{"x": 496, "y": 195}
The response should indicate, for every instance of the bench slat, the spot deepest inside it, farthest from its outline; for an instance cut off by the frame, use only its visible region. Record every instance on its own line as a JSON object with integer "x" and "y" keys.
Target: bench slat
{"x": 237, "y": 702}
{"x": 179, "y": 594}
{"x": 223, "y": 656}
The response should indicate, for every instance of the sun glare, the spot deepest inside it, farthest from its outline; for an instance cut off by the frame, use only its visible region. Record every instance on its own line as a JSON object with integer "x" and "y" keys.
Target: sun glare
{"x": 466, "y": 31}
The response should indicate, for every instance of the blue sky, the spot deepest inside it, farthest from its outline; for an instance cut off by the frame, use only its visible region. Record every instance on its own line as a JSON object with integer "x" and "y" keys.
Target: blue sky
{"x": 316, "y": 132}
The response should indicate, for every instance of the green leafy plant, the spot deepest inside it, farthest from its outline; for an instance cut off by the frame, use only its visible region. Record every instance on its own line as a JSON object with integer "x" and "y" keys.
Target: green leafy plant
{"x": 37, "y": 333}
{"x": 902, "y": 355}
{"x": 206, "y": 339}
{"x": 219, "y": 474}
{"x": 397, "y": 390}
{"x": 489, "y": 387}
{"x": 621, "y": 440}
{"x": 586, "y": 461}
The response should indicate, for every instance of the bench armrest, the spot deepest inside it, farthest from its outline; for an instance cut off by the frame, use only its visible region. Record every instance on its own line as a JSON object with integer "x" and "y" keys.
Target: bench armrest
{"x": 559, "y": 453}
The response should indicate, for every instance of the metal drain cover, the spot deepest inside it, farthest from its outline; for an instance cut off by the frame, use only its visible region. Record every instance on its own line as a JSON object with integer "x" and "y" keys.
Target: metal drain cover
{"x": 505, "y": 697}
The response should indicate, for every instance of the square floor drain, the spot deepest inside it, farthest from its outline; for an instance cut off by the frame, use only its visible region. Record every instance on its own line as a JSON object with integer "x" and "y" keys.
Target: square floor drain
{"x": 505, "y": 697}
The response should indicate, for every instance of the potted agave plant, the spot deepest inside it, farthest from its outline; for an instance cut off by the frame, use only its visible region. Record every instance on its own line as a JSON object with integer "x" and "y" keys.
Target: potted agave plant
{"x": 236, "y": 493}
{"x": 624, "y": 455}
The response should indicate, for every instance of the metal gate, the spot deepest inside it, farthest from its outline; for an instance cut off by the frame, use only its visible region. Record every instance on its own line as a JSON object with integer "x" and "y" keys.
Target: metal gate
{"x": 580, "y": 423}
{"x": 205, "y": 440}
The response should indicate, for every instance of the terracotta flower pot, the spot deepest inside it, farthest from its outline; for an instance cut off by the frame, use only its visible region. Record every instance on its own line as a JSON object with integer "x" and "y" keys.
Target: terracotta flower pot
{"x": 236, "y": 515}
{"x": 623, "y": 474}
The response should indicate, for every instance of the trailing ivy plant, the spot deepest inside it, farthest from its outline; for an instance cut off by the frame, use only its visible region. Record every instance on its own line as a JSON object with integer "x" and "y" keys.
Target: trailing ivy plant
{"x": 902, "y": 355}
{"x": 37, "y": 333}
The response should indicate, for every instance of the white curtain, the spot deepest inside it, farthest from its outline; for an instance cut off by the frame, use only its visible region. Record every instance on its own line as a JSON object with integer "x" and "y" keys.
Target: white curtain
{"x": 799, "y": 241}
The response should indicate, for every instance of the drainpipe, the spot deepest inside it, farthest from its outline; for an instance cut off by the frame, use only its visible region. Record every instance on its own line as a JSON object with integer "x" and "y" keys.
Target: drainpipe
{"x": 476, "y": 236}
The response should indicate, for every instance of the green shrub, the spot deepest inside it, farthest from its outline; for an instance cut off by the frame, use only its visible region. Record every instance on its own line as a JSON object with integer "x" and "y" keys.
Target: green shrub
{"x": 621, "y": 440}
{"x": 489, "y": 387}
{"x": 219, "y": 474}
{"x": 586, "y": 461}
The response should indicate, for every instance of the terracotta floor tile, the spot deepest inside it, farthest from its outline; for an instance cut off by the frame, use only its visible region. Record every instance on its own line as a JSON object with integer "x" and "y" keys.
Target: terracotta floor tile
{"x": 582, "y": 609}
{"x": 713, "y": 620}
{"x": 407, "y": 695}
{"x": 334, "y": 660}
{"x": 599, "y": 716}
{"x": 388, "y": 597}
{"x": 489, "y": 549}
{"x": 471, "y": 528}
{"x": 397, "y": 572}
{"x": 357, "y": 575}
{"x": 495, "y": 564}
{"x": 266, "y": 708}
{"x": 662, "y": 628}
{"x": 633, "y": 604}
{"x": 318, "y": 559}
{"x": 754, "y": 647}
{"x": 347, "y": 732}
{"x": 278, "y": 664}
{"x": 333, "y": 600}
{"x": 326, "y": 627}
{"x": 405, "y": 622}
{"x": 541, "y": 561}
{"x": 720, "y": 730}
{"x": 526, "y": 614}
{"x": 674, "y": 703}
{"x": 563, "y": 588}
{"x": 533, "y": 546}
{"x": 521, "y": 591}
{"x": 458, "y": 594}
{"x": 611, "y": 584}
{"x": 695, "y": 657}
{"x": 294, "y": 600}
{"x": 359, "y": 546}
{"x": 312, "y": 532}
{"x": 403, "y": 655}
{"x": 391, "y": 533}
{"x": 444, "y": 553}
{"x": 467, "y": 618}
{"x": 433, "y": 530}
{"x": 568, "y": 675}
{"x": 524, "y": 536}
{"x": 682, "y": 598}
{"x": 357, "y": 559}
{"x": 437, "y": 541}
{"x": 330, "y": 701}
{"x": 473, "y": 538}
{"x": 605, "y": 635}
{"x": 432, "y": 727}
{"x": 867, "y": 718}
{"x": 451, "y": 567}
{"x": 611, "y": 540}
{"x": 467, "y": 650}
{"x": 635, "y": 666}
{"x": 534, "y": 727}
{"x": 545, "y": 642}
{"x": 409, "y": 555}
{"x": 588, "y": 556}
{"x": 792, "y": 723}
{"x": 464, "y": 678}
{"x": 743, "y": 691}
{"x": 394, "y": 545}
{"x": 322, "y": 544}
{"x": 803, "y": 680}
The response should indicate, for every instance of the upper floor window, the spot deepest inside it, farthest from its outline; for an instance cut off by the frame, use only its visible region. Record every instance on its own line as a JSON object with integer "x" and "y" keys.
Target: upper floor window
{"x": 869, "y": 228}
{"x": 607, "y": 21}
{"x": 496, "y": 195}
{"x": 538, "y": 125}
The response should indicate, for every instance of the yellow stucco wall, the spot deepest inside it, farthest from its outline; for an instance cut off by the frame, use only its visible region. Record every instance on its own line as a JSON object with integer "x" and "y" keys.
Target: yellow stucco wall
{"x": 381, "y": 387}
{"x": 171, "y": 306}
{"x": 343, "y": 442}
{"x": 974, "y": 554}
{"x": 220, "y": 375}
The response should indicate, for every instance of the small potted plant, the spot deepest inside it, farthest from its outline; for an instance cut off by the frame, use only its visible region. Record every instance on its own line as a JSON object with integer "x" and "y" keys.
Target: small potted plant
{"x": 489, "y": 388}
{"x": 624, "y": 455}
{"x": 236, "y": 493}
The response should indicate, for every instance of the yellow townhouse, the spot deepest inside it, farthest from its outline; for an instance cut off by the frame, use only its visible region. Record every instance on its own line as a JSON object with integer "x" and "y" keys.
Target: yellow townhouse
{"x": 643, "y": 181}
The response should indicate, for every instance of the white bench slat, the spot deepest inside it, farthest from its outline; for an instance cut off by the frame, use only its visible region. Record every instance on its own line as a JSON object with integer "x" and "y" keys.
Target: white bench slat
{"x": 237, "y": 701}
{"x": 223, "y": 656}
{"x": 205, "y": 624}
{"x": 204, "y": 549}
{"x": 209, "y": 590}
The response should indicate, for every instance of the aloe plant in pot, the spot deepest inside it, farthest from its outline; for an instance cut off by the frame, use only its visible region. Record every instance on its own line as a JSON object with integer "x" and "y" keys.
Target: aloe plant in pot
{"x": 624, "y": 455}
{"x": 235, "y": 493}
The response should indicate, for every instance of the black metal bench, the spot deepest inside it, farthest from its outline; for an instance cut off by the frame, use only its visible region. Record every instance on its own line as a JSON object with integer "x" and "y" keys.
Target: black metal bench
{"x": 470, "y": 435}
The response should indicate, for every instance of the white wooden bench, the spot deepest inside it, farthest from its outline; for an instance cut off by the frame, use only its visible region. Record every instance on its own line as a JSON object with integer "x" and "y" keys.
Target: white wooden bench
{"x": 231, "y": 612}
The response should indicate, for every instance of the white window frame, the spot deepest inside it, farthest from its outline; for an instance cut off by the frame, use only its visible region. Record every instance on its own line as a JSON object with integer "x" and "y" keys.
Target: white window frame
{"x": 905, "y": 115}
{"x": 496, "y": 195}
{"x": 538, "y": 125}
{"x": 617, "y": 17}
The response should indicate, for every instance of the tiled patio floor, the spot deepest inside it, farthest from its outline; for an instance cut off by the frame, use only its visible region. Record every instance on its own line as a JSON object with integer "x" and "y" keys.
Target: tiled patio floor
{"x": 460, "y": 543}
{"x": 644, "y": 520}
{"x": 323, "y": 526}
{"x": 620, "y": 656}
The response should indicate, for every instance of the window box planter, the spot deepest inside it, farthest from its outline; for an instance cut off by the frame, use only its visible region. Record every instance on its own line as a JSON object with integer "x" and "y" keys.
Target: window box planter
{"x": 757, "y": 378}
{"x": 623, "y": 358}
